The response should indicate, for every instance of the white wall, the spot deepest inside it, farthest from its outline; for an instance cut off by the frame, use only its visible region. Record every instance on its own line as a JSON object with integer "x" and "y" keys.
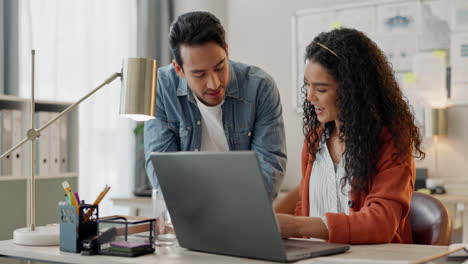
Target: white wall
{"x": 216, "y": 7}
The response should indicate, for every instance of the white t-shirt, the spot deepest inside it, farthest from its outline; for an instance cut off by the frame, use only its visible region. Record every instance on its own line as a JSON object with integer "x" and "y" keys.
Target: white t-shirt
{"x": 213, "y": 136}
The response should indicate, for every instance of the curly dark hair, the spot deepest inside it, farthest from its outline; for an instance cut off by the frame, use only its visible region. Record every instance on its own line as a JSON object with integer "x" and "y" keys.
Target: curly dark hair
{"x": 369, "y": 99}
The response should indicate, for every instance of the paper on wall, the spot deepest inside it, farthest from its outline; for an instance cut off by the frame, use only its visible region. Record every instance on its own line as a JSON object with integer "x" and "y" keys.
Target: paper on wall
{"x": 309, "y": 26}
{"x": 401, "y": 18}
{"x": 407, "y": 83}
{"x": 459, "y": 85}
{"x": 400, "y": 50}
{"x": 459, "y": 49}
{"x": 434, "y": 30}
{"x": 459, "y": 10}
{"x": 362, "y": 19}
{"x": 431, "y": 78}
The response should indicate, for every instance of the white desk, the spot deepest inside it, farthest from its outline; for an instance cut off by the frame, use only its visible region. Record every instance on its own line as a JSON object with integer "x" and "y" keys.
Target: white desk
{"x": 383, "y": 253}
{"x": 452, "y": 200}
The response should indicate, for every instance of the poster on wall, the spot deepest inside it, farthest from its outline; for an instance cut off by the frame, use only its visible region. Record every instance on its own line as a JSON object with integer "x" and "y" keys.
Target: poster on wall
{"x": 459, "y": 85}
{"x": 305, "y": 28}
{"x": 431, "y": 77}
{"x": 400, "y": 50}
{"x": 362, "y": 19}
{"x": 459, "y": 72}
{"x": 407, "y": 83}
{"x": 434, "y": 29}
{"x": 459, "y": 49}
{"x": 459, "y": 10}
{"x": 397, "y": 27}
{"x": 400, "y": 18}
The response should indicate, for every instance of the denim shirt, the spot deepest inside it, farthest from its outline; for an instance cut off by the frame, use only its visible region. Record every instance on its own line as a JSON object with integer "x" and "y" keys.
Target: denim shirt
{"x": 252, "y": 120}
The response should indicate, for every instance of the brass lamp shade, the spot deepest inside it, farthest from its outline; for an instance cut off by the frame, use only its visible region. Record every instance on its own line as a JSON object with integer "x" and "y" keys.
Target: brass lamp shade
{"x": 139, "y": 87}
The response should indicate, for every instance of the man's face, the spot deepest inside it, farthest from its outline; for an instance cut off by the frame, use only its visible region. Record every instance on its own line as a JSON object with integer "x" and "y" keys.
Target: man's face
{"x": 206, "y": 69}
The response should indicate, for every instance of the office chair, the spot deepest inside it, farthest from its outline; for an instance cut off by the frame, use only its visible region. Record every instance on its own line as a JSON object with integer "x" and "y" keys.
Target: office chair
{"x": 430, "y": 221}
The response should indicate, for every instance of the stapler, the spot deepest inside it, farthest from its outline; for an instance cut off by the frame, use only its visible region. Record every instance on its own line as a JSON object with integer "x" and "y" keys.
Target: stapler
{"x": 93, "y": 245}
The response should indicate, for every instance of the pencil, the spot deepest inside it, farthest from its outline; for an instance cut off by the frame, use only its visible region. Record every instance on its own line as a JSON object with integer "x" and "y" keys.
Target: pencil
{"x": 97, "y": 201}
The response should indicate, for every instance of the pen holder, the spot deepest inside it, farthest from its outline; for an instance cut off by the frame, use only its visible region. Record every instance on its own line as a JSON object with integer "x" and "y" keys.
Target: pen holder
{"x": 74, "y": 228}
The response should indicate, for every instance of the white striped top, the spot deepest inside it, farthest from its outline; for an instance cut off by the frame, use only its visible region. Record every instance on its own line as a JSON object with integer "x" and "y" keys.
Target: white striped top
{"x": 325, "y": 194}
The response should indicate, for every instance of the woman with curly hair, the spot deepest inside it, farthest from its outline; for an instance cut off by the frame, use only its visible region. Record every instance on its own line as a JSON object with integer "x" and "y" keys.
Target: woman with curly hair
{"x": 360, "y": 143}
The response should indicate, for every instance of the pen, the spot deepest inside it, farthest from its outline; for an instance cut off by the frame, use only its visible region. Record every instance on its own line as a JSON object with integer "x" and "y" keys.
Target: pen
{"x": 67, "y": 199}
{"x": 77, "y": 197}
{"x": 68, "y": 191}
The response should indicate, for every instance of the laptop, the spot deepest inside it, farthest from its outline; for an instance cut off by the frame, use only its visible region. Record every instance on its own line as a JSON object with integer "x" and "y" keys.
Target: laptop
{"x": 219, "y": 203}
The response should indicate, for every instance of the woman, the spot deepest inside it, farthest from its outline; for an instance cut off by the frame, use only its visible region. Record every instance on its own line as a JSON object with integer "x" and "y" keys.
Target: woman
{"x": 360, "y": 142}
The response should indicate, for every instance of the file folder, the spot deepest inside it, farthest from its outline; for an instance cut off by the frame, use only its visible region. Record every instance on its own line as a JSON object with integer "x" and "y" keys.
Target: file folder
{"x": 17, "y": 136}
{"x": 63, "y": 143}
{"x": 6, "y": 141}
{"x": 54, "y": 164}
{"x": 42, "y": 145}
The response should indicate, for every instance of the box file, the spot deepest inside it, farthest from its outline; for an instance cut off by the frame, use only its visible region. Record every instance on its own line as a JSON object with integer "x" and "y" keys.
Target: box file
{"x": 17, "y": 135}
{"x": 6, "y": 140}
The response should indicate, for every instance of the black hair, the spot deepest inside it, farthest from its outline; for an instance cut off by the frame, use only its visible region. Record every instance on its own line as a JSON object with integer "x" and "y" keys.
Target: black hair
{"x": 369, "y": 100}
{"x": 195, "y": 28}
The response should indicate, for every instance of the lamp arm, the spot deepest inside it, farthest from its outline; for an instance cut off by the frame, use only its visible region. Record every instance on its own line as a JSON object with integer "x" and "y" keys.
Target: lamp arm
{"x": 33, "y": 134}
{"x": 106, "y": 82}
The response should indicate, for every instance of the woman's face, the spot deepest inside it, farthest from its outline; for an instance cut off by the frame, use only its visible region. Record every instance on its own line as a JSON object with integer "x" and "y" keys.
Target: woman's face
{"x": 321, "y": 91}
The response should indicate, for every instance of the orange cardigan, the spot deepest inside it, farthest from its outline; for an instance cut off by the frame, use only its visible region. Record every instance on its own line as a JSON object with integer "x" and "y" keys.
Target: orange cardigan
{"x": 381, "y": 216}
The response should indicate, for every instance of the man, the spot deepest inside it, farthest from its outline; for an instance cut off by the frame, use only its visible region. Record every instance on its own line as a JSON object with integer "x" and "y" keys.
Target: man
{"x": 206, "y": 102}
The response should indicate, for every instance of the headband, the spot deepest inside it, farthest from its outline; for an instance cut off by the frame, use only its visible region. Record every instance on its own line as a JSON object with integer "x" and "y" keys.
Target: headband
{"x": 325, "y": 47}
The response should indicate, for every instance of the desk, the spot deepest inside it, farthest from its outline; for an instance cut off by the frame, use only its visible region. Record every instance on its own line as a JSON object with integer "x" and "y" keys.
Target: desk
{"x": 383, "y": 253}
{"x": 452, "y": 200}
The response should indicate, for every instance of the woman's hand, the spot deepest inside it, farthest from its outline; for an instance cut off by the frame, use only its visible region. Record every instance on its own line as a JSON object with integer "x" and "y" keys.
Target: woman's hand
{"x": 288, "y": 225}
{"x": 301, "y": 226}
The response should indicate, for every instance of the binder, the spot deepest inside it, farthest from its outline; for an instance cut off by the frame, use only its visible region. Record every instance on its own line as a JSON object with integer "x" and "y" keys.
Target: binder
{"x": 63, "y": 143}
{"x": 17, "y": 135}
{"x": 42, "y": 145}
{"x": 6, "y": 141}
{"x": 54, "y": 164}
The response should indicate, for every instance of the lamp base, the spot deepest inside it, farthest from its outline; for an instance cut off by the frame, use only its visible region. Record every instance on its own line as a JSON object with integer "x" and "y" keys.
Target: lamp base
{"x": 41, "y": 236}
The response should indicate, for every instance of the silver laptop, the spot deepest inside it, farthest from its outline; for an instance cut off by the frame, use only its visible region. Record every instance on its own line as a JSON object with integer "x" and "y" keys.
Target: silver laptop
{"x": 218, "y": 203}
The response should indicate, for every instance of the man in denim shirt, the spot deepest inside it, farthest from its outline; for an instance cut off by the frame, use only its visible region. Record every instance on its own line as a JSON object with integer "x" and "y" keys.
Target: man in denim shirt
{"x": 206, "y": 102}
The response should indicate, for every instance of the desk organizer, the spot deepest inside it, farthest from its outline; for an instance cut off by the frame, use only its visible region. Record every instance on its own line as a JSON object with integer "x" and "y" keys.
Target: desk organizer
{"x": 132, "y": 236}
{"x": 75, "y": 226}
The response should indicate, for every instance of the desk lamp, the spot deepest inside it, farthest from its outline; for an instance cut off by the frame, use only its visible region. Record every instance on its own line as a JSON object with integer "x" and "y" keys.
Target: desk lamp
{"x": 435, "y": 126}
{"x": 137, "y": 100}
{"x": 435, "y": 122}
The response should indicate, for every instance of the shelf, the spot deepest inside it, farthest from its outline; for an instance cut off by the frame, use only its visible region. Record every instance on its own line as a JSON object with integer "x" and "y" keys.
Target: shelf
{"x": 12, "y": 98}
{"x": 48, "y": 188}
{"x": 51, "y": 106}
{"x": 15, "y": 102}
{"x": 12, "y": 102}
{"x": 38, "y": 178}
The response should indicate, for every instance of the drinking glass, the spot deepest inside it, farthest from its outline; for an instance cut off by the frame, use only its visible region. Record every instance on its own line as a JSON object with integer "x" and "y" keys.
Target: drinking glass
{"x": 164, "y": 234}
